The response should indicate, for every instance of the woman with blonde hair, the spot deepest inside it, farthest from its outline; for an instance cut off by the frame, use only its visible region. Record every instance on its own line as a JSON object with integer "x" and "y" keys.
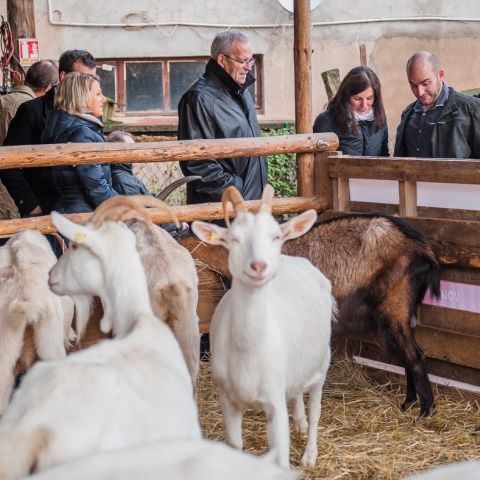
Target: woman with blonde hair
{"x": 78, "y": 108}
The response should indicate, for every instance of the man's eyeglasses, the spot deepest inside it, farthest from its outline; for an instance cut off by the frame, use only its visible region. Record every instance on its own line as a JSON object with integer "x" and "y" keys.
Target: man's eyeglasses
{"x": 250, "y": 62}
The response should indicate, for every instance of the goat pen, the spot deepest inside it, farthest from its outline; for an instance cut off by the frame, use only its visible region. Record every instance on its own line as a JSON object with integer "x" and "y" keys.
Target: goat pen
{"x": 449, "y": 337}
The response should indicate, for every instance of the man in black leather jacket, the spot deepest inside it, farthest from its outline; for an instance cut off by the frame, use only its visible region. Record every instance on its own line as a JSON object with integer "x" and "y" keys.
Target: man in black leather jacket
{"x": 32, "y": 189}
{"x": 219, "y": 105}
{"x": 442, "y": 123}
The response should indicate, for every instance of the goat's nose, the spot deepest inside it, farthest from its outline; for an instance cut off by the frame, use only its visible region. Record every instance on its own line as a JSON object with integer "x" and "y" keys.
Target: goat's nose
{"x": 258, "y": 267}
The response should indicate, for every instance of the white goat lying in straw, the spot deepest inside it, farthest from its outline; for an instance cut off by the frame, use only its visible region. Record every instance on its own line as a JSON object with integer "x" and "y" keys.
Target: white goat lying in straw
{"x": 270, "y": 334}
{"x": 26, "y": 300}
{"x": 179, "y": 460}
{"x": 170, "y": 269}
{"x": 119, "y": 393}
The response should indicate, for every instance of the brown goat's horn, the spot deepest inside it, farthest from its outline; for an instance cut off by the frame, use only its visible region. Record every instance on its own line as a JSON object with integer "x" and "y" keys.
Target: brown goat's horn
{"x": 232, "y": 195}
{"x": 121, "y": 208}
{"x": 267, "y": 197}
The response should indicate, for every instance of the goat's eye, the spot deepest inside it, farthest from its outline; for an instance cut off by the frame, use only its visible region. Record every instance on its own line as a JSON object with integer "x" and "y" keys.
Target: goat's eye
{"x": 235, "y": 240}
{"x": 73, "y": 246}
{"x": 276, "y": 237}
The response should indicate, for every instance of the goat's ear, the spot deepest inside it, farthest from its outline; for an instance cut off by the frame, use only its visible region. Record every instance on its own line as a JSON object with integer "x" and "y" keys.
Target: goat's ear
{"x": 210, "y": 233}
{"x": 72, "y": 231}
{"x": 299, "y": 225}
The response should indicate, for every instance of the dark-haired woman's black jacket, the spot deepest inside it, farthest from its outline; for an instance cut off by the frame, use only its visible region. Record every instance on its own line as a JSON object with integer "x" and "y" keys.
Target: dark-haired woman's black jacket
{"x": 370, "y": 141}
{"x": 81, "y": 188}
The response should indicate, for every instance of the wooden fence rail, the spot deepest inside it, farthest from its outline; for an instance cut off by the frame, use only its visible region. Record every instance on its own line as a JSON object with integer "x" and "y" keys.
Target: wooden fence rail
{"x": 85, "y": 153}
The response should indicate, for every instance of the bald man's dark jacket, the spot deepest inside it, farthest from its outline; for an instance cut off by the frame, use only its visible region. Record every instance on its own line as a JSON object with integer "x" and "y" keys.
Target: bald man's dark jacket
{"x": 456, "y": 133}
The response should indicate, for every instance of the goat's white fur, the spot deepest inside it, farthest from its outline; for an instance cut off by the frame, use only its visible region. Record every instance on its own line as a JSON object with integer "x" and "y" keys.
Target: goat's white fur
{"x": 26, "y": 300}
{"x": 173, "y": 287}
{"x": 180, "y": 460}
{"x": 119, "y": 393}
{"x": 270, "y": 334}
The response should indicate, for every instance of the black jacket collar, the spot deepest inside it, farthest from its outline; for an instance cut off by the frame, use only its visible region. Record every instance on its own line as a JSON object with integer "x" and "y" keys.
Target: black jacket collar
{"x": 214, "y": 69}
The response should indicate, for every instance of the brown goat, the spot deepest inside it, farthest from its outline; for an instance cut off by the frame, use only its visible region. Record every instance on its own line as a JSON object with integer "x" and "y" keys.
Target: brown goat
{"x": 380, "y": 269}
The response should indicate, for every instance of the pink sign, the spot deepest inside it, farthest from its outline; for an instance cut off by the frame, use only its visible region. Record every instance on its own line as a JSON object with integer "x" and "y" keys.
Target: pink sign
{"x": 457, "y": 296}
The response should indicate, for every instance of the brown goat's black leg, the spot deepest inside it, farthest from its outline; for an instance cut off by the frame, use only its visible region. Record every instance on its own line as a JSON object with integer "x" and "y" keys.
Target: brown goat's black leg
{"x": 411, "y": 397}
{"x": 416, "y": 370}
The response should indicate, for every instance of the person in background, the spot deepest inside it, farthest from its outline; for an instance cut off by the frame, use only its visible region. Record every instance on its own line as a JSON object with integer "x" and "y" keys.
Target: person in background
{"x": 123, "y": 179}
{"x": 356, "y": 115}
{"x": 40, "y": 78}
{"x": 76, "y": 118}
{"x": 219, "y": 105}
{"x": 441, "y": 123}
{"x": 32, "y": 189}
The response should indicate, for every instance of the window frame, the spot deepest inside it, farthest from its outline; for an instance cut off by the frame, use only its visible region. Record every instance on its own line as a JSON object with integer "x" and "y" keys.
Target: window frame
{"x": 120, "y": 66}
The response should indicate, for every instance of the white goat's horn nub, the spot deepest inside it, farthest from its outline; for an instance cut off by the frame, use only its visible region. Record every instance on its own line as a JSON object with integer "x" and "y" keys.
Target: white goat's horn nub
{"x": 122, "y": 207}
{"x": 232, "y": 195}
{"x": 267, "y": 197}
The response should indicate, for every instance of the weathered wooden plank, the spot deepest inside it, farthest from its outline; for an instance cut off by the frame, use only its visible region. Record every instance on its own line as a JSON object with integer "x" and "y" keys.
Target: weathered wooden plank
{"x": 353, "y": 346}
{"x": 449, "y": 320}
{"x": 430, "y": 212}
{"x": 185, "y": 213}
{"x": 86, "y": 153}
{"x": 441, "y": 345}
{"x": 463, "y": 171}
{"x": 331, "y": 80}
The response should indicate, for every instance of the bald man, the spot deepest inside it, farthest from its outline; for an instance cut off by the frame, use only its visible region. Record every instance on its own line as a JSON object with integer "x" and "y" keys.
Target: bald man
{"x": 441, "y": 123}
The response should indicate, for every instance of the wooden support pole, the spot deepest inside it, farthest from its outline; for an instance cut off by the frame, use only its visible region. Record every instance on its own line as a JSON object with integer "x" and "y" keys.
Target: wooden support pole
{"x": 303, "y": 90}
{"x": 21, "y": 16}
{"x": 85, "y": 153}
{"x": 185, "y": 213}
{"x": 408, "y": 198}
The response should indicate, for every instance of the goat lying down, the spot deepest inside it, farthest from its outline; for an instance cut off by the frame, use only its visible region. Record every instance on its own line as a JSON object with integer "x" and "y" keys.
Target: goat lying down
{"x": 380, "y": 269}
{"x": 116, "y": 394}
{"x": 26, "y": 300}
{"x": 178, "y": 460}
{"x": 170, "y": 269}
{"x": 270, "y": 333}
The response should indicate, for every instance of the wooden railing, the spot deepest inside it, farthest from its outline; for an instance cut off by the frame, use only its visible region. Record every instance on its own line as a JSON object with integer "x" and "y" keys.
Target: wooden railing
{"x": 66, "y": 154}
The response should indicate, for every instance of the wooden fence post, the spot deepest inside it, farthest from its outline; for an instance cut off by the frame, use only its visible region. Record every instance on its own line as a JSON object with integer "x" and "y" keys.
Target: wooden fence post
{"x": 303, "y": 90}
{"x": 408, "y": 198}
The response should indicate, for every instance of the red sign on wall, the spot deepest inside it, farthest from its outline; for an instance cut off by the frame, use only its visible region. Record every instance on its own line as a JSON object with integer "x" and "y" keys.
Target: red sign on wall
{"x": 28, "y": 51}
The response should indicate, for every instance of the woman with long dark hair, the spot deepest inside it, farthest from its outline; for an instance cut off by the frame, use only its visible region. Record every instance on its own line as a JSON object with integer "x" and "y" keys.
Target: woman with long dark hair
{"x": 356, "y": 115}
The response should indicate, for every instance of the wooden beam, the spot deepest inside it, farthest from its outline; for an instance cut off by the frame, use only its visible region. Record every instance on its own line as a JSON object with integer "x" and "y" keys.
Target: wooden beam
{"x": 86, "y": 153}
{"x": 185, "y": 213}
{"x": 363, "y": 54}
{"x": 303, "y": 90}
{"x": 331, "y": 80}
{"x": 465, "y": 171}
{"x": 431, "y": 212}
